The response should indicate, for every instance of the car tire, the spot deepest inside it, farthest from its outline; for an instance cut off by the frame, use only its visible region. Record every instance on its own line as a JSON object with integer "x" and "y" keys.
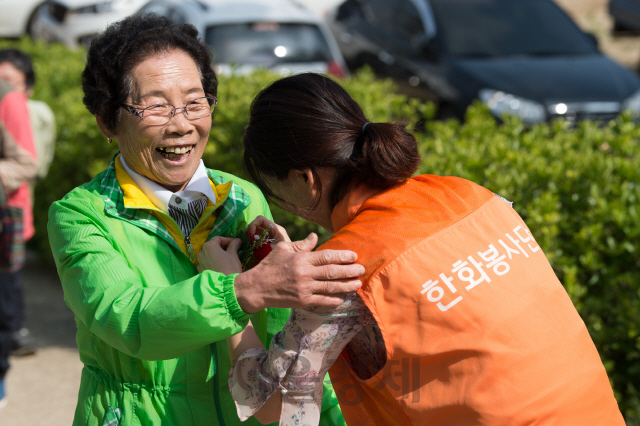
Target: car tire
{"x": 31, "y": 21}
{"x": 447, "y": 112}
{"x": 619, "y": 27}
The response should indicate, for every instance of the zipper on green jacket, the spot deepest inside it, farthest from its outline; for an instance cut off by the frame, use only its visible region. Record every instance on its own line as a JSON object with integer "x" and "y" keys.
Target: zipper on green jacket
{"x": 187, "y": 238}
{"x": 190, "y": 249}
{"x": 216, "y": 390}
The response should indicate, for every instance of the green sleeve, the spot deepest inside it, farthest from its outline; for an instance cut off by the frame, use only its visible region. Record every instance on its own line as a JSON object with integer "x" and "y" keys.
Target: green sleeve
{"x": 114, "y": 303}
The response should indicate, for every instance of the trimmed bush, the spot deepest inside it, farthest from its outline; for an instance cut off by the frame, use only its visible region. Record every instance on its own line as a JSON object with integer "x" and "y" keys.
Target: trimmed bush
{"x": 577, "y": 188}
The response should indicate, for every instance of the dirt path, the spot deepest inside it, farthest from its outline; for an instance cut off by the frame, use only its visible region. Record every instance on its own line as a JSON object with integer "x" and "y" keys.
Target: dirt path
{"x": 42, "y": 388}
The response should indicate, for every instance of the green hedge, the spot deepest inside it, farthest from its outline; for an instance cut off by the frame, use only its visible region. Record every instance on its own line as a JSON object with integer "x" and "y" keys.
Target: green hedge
{"x": 577, "y": 188}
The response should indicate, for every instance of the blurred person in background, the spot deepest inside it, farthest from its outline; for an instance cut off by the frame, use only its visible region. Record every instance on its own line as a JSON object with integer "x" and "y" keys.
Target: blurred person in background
{"x": 18, "y": 166}
{"x": 16, "y": 68}
{"x": 127, "y": 245}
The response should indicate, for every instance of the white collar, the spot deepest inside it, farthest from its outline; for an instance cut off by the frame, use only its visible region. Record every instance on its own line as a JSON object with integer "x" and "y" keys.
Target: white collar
{"x": 161, "y": 197}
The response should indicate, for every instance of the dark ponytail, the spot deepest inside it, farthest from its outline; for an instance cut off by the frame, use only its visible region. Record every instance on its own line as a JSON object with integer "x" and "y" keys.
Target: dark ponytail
{"x": 308, "y": 121}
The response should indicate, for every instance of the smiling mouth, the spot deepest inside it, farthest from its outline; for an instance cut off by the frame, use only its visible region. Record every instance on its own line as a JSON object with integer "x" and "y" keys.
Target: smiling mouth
{"x": 173, "y": 152}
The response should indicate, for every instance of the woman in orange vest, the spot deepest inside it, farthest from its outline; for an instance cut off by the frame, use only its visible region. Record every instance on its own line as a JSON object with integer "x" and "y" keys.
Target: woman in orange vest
{"x": 460, "y": 319}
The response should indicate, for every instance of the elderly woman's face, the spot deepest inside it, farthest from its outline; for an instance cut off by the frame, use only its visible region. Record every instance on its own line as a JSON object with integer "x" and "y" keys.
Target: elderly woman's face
{"x": 171, "y": 78}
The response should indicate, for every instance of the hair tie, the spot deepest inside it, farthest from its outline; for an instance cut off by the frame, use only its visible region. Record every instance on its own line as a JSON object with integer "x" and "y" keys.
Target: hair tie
{"x": 357, "y": 145}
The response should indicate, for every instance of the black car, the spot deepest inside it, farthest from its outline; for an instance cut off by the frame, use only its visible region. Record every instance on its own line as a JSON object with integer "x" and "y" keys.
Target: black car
{"x": 524, "y": 57}
{"x": 626, "y": 14}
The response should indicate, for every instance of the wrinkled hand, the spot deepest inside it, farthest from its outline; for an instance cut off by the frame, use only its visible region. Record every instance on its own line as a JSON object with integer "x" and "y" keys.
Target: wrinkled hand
{"x": 220, "y": 254}
{"x": 292, "y": 276}
{"x": 276, "y": 232}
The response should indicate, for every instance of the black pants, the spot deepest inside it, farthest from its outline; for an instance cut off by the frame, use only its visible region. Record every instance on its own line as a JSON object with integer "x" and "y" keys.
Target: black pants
{"x": 11, "y": 314}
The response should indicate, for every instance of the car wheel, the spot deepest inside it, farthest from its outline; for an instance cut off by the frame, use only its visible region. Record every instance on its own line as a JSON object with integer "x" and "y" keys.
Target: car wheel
{"x": 619, "y": 27}
{"x": 32, "y": 24}
{"x": 447, "y": 112}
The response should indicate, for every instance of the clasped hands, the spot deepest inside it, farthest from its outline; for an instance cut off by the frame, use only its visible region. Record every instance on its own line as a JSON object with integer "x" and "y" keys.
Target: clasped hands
{"x": 291, "y": 276}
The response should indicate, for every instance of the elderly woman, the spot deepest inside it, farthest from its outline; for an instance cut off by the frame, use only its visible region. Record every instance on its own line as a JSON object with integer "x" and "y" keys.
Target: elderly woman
{"x": 127, "y": 245}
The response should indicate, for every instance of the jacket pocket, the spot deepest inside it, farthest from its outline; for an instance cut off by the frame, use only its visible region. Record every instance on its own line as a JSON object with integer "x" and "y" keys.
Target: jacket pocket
{"x": 112, "y": 417}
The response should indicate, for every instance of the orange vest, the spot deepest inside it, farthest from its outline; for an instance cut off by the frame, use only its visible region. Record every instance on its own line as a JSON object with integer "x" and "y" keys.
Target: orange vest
{"x": 478, "y": 330}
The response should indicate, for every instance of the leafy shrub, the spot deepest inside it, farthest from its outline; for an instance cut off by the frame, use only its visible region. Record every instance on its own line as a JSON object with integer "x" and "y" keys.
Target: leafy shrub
{"x": 577, "y": 188}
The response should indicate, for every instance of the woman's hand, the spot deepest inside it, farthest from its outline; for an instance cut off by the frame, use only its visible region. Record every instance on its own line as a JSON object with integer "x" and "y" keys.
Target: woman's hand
{"x": 276, "y": 232}
{"x": 220, "y": 254}
{"x": 292, "y": 276}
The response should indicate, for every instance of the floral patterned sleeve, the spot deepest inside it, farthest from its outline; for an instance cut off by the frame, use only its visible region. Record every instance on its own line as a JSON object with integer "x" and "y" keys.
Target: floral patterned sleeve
{"x": 297, "y": 360}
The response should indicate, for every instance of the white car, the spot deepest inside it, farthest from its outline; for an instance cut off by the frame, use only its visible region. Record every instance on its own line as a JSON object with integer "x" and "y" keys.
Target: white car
{"x": 16, "y": 17}
{"x": 77, "y": 22}
{"x": 280, "y": 35}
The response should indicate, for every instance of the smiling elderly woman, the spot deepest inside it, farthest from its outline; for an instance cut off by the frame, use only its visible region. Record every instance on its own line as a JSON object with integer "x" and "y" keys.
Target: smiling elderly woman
{"x": 128, "y": 245}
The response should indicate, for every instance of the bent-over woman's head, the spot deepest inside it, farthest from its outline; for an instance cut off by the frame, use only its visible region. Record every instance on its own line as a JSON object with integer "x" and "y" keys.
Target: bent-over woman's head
{"x": 309, "y": 122}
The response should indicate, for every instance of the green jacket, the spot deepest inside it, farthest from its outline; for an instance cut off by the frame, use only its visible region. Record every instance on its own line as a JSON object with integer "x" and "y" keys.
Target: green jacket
{"x": 151, "y": 329}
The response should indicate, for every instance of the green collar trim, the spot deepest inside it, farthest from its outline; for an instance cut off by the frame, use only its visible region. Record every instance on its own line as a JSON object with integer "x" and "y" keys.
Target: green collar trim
{"x": 236, "y": 202}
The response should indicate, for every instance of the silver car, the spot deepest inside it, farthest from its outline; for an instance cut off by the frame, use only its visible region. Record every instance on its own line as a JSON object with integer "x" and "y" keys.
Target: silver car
{"x": 280, "y": 35}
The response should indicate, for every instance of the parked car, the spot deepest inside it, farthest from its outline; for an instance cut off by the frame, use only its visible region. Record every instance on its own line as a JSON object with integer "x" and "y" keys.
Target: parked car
{"x": 523, "y": 57}
{"x": 76, "y": 22}
{"x": 16, "y": 17}
{"x": 625, "y": 14}
{"x": 279, "y": 35}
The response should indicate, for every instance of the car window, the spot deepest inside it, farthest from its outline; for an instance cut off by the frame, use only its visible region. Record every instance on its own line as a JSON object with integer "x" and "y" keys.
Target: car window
{"x": 485, "y": 28}
{"x": 399, "y": 19}
{"x": 378, "y": 12}
{"x": 407, "y": 23}
{"x": 267, "y": 43}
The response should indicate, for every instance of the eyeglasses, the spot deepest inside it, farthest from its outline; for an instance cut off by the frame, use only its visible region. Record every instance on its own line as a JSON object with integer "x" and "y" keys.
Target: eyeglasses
{"x": 159, "y": 114}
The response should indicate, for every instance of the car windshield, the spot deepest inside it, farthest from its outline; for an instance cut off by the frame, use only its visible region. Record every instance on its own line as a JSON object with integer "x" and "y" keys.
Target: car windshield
{"x": 267, "y": 43}
{"x": 494, "y": 28}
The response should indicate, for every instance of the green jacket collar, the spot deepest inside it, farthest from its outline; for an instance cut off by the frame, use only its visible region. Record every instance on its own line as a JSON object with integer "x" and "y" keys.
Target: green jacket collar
{"x": 113, "y": 197}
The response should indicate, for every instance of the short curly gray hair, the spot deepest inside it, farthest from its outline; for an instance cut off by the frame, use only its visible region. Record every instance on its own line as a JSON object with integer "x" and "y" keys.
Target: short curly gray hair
{"x": 106, "y": 79}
